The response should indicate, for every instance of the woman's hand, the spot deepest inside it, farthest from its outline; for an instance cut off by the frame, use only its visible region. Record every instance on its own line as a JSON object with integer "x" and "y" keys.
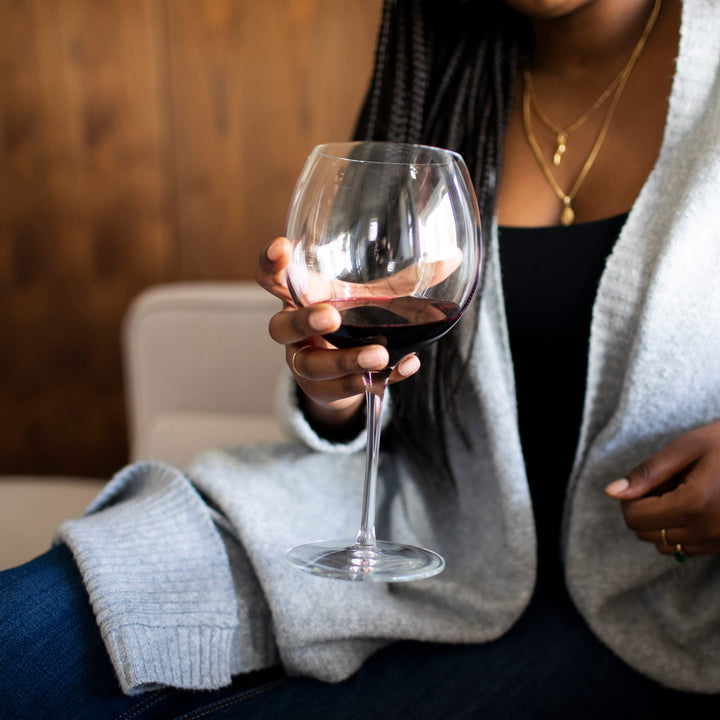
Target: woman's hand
{"x": 330, "y": 378}
{"x": 676, "y": 490}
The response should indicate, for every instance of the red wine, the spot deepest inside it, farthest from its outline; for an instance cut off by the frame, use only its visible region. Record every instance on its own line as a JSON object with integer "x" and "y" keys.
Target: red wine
{"x": 403, "y": 325}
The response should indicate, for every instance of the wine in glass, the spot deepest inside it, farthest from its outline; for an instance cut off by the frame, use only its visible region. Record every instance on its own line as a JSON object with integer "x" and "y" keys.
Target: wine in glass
{"x": 389, "y": 234}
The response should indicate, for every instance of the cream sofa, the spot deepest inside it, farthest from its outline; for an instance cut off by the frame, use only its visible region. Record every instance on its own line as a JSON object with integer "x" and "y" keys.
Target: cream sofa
{"x": 200, "y": 372}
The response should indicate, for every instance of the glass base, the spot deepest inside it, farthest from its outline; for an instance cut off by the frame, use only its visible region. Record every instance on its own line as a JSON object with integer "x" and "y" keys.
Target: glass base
{"x": 383, "y": 562}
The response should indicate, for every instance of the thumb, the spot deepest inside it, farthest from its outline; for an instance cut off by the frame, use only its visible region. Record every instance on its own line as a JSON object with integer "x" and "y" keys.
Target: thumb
{"x": 656, "y": 473}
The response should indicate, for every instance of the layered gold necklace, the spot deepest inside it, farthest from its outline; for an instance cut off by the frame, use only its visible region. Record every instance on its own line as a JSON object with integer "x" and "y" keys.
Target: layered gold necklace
{"x": 614, "y": 90}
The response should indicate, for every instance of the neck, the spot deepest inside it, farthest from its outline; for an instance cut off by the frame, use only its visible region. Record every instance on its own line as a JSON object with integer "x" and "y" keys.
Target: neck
{"x": 599, "y": 35}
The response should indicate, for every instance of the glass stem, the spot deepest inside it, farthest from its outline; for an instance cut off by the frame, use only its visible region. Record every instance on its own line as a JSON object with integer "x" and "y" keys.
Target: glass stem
{"x": 375, "y": 384}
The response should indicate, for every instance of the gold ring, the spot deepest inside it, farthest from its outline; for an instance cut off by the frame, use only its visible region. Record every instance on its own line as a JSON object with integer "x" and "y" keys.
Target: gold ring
{"x": 663, "y": 535}
{"x": 294, "y": 355}
{"x": 679, "y": 554}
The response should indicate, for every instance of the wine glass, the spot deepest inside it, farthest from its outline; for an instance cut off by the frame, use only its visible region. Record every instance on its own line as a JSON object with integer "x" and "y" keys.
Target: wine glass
{"x": 389, "y": 234}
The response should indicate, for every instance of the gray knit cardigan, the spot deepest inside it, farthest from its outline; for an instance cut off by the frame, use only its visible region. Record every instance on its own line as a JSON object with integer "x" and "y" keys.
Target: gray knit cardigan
{"x": 186, "y": 573}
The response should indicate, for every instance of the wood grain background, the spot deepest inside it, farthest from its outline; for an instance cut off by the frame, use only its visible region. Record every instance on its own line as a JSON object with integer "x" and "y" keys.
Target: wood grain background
{"x": 144, "y": 141}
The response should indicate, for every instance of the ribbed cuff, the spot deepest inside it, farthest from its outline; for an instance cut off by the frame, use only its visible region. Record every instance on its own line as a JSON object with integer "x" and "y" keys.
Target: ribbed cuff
{"x": 295, "y": 423}
{"x": 159, "y": 580}
{"x": 183, "y": 657}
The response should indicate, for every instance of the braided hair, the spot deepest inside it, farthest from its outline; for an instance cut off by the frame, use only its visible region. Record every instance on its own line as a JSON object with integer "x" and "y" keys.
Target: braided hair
{"x": 444, "y": 75}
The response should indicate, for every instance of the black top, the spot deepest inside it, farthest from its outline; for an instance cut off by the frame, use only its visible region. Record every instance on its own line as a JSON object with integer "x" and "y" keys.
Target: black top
{"x": 550, "y": 277}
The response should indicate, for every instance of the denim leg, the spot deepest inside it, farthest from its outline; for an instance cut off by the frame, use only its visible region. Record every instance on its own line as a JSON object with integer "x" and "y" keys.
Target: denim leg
{"x": 53, "y": 663}
{"x": 548, "y": 667}
{"x": 53, "y": 666}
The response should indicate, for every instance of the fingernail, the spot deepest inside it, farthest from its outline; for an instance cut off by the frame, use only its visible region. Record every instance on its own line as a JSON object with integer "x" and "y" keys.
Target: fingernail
{"x": 617, "y": 487}
{"x": 409, "y": 365}
{"x": 372, "y": 358}
{"x": 323, "y": 320}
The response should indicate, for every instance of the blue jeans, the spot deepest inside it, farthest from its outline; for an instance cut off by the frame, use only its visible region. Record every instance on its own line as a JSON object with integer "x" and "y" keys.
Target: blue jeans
{"x": 53, "y": 665}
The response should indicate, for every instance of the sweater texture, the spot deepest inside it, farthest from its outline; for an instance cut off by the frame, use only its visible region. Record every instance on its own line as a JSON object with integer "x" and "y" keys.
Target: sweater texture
{"x": 186, "y": 570}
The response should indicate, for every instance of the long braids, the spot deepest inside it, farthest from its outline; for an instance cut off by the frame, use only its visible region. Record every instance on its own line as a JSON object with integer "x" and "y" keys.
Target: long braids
{"x": 444, "y": 75}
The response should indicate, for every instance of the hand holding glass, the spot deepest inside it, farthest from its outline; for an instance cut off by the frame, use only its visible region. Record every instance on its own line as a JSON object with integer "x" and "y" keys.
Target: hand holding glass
{"x": 389, "y": 234}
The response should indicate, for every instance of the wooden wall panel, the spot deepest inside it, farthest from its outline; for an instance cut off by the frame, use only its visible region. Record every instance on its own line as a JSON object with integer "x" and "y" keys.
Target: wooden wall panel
{"x": 144, "y": 141}
{"x": 255, "y": 85}
{"x": 83, "y": 221}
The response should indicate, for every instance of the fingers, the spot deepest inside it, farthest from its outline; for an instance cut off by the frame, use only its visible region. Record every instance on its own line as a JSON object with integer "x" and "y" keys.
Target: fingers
{"x": 408, "y": 366}
{"x": 689, "y": 513}
{"x": 317, "y": 364}
{"x": 270, "y": 269}
{"x": 673, "y": 536}
{"x": 296, "y": 325}
{"x": 673, "y": 509}
{"x": 678, "y": 489}
{"x": 658, "y": 470}
{"x": 328, "y": 375}
{"x": 312, "y": 363}
{"x": 683, "y": 537}
{"x": 693, "y": 501}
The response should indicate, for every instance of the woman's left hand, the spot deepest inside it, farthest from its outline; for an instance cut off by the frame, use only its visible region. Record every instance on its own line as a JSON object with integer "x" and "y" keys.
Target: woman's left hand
{"x": 673, "y": 498}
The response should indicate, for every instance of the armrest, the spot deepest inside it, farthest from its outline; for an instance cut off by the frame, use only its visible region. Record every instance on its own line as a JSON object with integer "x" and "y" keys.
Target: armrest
{"x": 200, "y": 368}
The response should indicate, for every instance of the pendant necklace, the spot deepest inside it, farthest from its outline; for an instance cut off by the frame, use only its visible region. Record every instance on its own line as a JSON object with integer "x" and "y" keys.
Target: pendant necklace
{"x": 562, "y": 134}
{"x": 615, "y": 89}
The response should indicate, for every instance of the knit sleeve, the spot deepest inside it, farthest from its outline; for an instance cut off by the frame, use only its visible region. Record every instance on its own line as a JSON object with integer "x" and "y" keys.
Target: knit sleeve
{"x": 149, "y": 529}
{"x": 297, "y": 426}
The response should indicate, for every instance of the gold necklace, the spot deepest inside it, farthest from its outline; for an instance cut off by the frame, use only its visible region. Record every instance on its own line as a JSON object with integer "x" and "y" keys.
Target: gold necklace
{"x": 567, "y": 216}
{"x": 562, "y": 134}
